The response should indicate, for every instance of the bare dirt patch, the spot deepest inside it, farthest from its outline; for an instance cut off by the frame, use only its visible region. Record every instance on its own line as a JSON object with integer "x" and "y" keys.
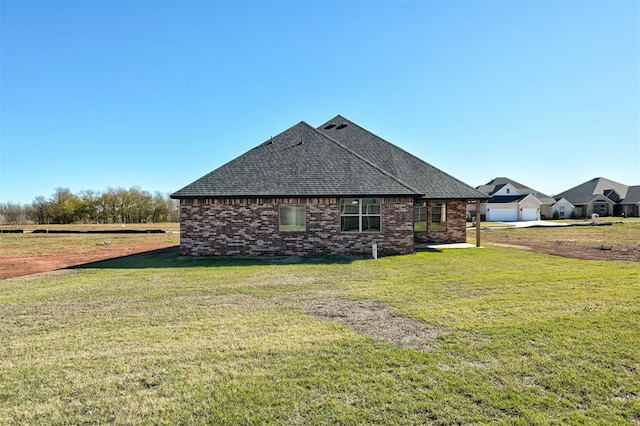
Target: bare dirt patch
{"x": 375, "y": 320}
{"x": 580, "y": 252}
{"x": 25, "y": 254}
{"x": 620, "y": 241}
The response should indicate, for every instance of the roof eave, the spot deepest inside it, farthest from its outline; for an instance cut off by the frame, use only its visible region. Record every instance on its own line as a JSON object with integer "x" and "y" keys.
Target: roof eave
{"x": 178, "y": 196}
{"x": 319, "y": 195}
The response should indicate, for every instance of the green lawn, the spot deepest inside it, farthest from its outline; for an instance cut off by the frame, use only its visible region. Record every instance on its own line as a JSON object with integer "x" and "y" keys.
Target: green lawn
{"x": 459, "y": 336}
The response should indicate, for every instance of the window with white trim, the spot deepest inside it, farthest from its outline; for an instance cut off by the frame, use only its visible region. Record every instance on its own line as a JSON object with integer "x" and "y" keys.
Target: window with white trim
{"x": 292, "y": 217}
{"x": 438, "y": 216}
{"x": 360, "y": 215}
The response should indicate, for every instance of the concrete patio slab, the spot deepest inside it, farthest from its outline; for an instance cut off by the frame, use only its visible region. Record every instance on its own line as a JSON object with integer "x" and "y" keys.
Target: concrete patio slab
{"x": 446, "y": 246}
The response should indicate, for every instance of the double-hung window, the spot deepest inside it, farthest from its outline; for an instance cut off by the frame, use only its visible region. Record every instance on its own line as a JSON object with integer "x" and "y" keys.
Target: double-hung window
{"x": 292, "y": 217}
{"x": 420, "y": 216}
{"x": 360, "y": 215}
{"x": 438, "y": 216}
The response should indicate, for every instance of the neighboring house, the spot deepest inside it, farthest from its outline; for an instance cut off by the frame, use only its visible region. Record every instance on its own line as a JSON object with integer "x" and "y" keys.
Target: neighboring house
{"x": 335, "y": 189}
{"x": 511, "y": 201}
{"x": 563, "y": 209}
{"x": 630, "y": 205}
{"x": 599, "y": 195}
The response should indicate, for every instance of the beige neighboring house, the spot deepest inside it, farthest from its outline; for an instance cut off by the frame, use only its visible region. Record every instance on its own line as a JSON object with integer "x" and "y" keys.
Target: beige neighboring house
{"x": 563, "y": 208}
{"x": 603, "y": 197}
{"x": 630, "y": 206}
{"x": 512, "y": 202}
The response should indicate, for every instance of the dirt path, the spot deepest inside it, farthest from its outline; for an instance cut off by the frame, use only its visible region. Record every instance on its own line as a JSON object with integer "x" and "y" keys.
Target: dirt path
{"x": 18, "y": 265}
{"x": 610, "y": 252}
{"x": 598, "y": 243}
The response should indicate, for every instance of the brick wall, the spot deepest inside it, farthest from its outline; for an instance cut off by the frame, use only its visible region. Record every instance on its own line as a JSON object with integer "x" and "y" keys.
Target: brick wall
{"x": 249, "y": 227}
{"x": 456, "y": 231}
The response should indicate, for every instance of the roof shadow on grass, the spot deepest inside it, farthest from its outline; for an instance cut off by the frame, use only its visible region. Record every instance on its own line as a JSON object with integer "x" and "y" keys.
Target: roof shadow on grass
{"x": 170, "y": 258}
{"x": 427, "y": 250}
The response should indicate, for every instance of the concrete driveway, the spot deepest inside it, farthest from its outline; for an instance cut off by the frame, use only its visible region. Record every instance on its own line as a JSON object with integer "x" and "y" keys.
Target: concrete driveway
{"x": 522, "y": 224}
{"x": 534, "y": 223}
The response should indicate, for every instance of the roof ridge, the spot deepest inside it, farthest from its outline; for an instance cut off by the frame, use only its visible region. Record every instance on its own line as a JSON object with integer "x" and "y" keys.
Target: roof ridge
{"x": 403, "y": 150}
{"x": 367, "y": 161}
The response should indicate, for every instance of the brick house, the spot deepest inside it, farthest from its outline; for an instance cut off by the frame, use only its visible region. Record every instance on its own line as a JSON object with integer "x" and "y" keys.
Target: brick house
{"x": 335, "y": 189}
{"x": 604, "y": 197}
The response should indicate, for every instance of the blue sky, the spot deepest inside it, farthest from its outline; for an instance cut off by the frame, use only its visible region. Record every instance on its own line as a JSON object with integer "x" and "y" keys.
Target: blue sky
{"x": 155, "y": 94}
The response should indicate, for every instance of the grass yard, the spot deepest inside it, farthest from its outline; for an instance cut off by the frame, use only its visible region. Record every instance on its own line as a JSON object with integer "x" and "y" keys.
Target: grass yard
{"x": 475, "y": 336}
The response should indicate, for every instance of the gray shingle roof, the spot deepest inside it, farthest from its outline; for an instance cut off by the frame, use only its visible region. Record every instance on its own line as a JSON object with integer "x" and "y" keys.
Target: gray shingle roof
{"x": 507, "y": 198}
{"x": 496, "y": 184}
{"x": 490, "y": 189}
{"x": 300, "y": 161}
{"x": 584, "y": 193}
{"x": 633, "y": 195}
{"x": 431, "y": 181}
{"x": 345, "y": 160}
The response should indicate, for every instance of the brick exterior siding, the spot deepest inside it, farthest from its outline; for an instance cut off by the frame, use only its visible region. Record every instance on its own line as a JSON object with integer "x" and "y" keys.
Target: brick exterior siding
{"x": 456, "y": 231}
{"x": 249, "y": 227}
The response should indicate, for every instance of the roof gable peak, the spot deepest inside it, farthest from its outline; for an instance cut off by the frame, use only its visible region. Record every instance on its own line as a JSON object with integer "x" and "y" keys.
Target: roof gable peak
{"x": 432, "y": 182}
{"x": 506, "y": 189}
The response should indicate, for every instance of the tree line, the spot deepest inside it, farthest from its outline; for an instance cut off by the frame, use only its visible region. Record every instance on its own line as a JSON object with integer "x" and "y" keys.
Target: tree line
{"x": 115, "y": 205}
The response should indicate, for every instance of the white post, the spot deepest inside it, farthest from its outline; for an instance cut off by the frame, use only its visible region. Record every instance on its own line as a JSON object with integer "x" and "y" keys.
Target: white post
{"x": 478, "y": 223}
{"x": 374, "y": 250}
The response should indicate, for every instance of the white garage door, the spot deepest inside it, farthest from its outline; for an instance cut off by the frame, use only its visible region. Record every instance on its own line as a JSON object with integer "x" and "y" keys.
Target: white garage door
{"x": 503, "y": 215}
{"x": 529, "y": 214}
